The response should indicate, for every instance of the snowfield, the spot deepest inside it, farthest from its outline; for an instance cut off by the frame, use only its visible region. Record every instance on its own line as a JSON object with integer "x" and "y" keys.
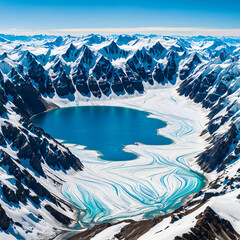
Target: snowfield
{"x": 54, "y": 190}
{"x": 157, "y": 180}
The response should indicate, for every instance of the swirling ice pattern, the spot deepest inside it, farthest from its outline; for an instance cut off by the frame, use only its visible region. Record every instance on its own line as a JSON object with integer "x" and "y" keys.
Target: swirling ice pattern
{"x": 109, "y": 190}
{"x": 182, "y": 125}
{"x": 154, "y": 184}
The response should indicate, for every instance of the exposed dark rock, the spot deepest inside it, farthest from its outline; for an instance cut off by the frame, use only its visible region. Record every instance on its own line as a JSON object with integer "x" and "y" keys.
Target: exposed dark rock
{"x": 4, "y": 219}
{"x": 90, "y": 233}
{"x": 104, "y": 86}
{"x": 82, "y": 87}
{"x": 149, "y": 77}
{"x": 221, "y": 88}
{"x": 9, "y": 194}
{"x": 113, "y": 51}
{"x": 126, "y": 83}
{"x": 59, "y": 216}
{"x": 9, "y": 131}
{"x": 144, "y": 58}
{"x": 116, "y": 85}
{"x": 21, "y": 192}
{"x": 63, "y": 85}
{"x": 29, "y": 94}
{"x": 158, "y": 74}
{"x": 34, "y": 198}
{"x": 3, "y": 97}
{"x": 189, "y": 67}
{"x": 213, "y": 156}
{"x": 72, "y": 53}
{"x": 41, "y": 191}
{"x": 39, "y": 75}
{"x": 80, "y": 80}
{"x": 157, "y": 49}
{"x": 135, "y": 80}
{"x": 136, "y": 67}
{"x": 2, "y": 140}
{"x": 26, "y": 97}
{"x": 210, "y": 227}
{"x": 87, "y": 57}
{"x": 93, "y": 86}
{"x": 171, "y": 67}
{"x": 103, "y": 68}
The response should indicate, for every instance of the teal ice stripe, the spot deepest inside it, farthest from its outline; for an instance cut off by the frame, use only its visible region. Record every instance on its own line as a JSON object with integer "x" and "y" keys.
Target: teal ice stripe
{"x": 151, "y": 185}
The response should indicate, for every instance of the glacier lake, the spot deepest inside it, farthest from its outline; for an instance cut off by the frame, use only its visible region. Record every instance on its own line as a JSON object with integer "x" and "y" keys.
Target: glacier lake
{"x": 105, "y": 129}
{"x": 111, "y": 186}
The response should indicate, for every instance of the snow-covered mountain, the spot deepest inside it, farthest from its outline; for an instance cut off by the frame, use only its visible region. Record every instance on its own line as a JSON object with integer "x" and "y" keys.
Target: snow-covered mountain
{"x": 43, "y": 73}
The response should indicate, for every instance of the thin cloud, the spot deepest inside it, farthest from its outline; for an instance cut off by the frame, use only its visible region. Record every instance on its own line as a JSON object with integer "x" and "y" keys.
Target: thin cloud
{"x": 142, "y": 30}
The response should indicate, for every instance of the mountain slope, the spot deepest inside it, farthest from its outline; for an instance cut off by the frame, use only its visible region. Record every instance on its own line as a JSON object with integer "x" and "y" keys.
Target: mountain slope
{"x": 40, "y": 75}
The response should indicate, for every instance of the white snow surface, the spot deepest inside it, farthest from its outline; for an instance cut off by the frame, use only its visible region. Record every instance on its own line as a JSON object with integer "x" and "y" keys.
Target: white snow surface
{"x": 113, "y": 190}
{"x": 115, "y": 185}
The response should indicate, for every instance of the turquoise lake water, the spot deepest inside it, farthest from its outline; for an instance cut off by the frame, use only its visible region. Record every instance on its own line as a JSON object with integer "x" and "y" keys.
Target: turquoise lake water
{"x": 118, "y": 189}
{"x": 103, "y": 128}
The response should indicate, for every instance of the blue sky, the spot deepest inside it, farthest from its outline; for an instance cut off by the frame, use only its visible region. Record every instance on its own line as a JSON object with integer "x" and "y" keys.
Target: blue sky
{"x": 35, "y": 15}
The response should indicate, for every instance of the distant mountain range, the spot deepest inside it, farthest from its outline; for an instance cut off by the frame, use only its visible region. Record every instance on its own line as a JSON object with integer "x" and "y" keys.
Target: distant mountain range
{"x": 38, "y": 73}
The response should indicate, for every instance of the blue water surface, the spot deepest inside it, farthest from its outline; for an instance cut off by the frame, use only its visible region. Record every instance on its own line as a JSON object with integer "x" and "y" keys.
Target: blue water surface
{"x": 105, "y": 129}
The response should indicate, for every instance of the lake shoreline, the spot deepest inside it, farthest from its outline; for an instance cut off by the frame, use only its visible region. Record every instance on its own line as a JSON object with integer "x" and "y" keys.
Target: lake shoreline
{"x": 180, "y": 139}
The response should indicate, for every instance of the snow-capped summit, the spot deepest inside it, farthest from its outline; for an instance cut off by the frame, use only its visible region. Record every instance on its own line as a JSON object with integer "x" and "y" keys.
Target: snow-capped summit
{"x": 125, "y": 39}
{"x": 42, "y": 73}
{"x": 113, "y": 51}
{"x": 94, "y": 39}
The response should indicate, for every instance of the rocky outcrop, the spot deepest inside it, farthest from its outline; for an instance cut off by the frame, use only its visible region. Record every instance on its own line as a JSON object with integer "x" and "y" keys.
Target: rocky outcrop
{"x": 40, "y": 76}
{"x": 88, "y": 57}
{"x": 171, "y": 67}
{"x": 25, "y": 96}
{"x": 210, "y": 89}
{"x": 157, "y": 50}
{"x": 189, "y": 66}
{"x": 114, "y": 51}
{"x": 132, "y": 231}
{"x": 128, "y": 86}
{"x": 4, "y": 219}
{"x": 62, "y": 82}
{"x": 31, "y": 151}
{"x": 59, "y": 216}
{"x": 31, "y": 158}
{"x": 214, "y": 155}
{"x": 26, "y": 188}
{"x": 135, "y": 80}
{"x": 117, "y": 85}
{"x": 85, "y": 70}
{"x": 72, "y": 53}
{"x": 93, "y": 86}
{"x": 210, "y": 227}
{"x": 80, "y": 80}
{"x": 158, "y": 75}
{"x": 103, "y": 68}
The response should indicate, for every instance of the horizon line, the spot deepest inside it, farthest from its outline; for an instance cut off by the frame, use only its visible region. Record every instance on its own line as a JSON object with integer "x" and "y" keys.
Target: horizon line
{"x": 183, "y": 31}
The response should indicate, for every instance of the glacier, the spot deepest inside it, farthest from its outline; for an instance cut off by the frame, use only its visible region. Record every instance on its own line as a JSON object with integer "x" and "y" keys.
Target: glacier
{"x": 157, "y": 181}
{"x": 192, "y": 83}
